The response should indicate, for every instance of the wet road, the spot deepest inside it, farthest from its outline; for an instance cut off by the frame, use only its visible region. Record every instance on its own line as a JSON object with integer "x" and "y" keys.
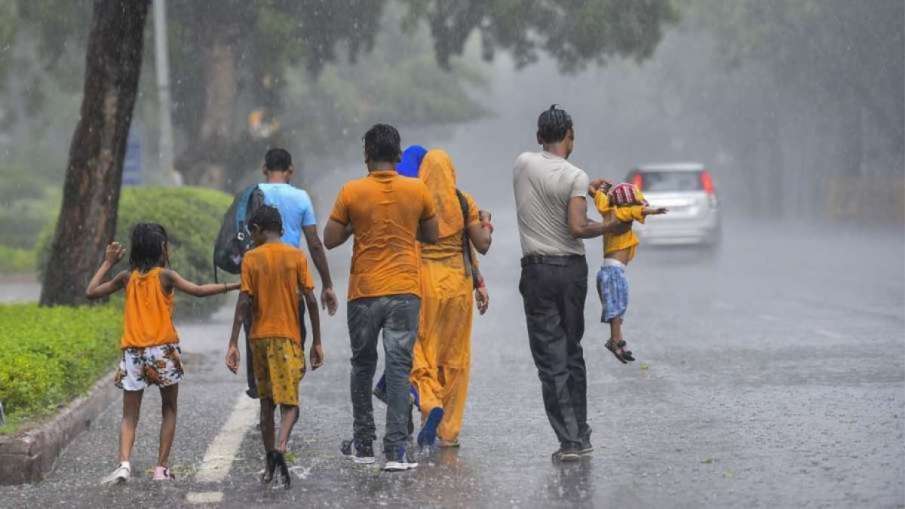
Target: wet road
{"x": 771, "y": 375}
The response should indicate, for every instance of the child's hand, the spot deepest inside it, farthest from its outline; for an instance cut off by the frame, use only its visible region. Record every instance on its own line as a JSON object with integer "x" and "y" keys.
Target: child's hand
{"x": 596, "y": 184}
{"x": 316, "y": 355}
{"x": 232, "y": 359}
{"x": 655, "y": 211}
{"x": 114, "y": 253}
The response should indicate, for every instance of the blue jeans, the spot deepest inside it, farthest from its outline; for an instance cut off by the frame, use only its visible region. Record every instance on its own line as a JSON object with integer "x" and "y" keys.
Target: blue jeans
{"x": 397, "y": 316}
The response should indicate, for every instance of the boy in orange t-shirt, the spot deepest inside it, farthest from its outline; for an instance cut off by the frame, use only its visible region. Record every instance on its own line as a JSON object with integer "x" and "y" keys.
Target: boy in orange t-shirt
{"x": 273, "y": 276}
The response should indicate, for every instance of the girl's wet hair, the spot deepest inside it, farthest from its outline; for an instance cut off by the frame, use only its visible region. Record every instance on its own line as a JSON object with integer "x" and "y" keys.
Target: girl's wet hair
{"x": 148, "y": 250}
{"x": 267, "y": 219}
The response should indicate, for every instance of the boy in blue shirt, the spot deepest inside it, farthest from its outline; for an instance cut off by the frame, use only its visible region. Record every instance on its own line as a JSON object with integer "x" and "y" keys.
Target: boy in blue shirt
{"x": 297, "y": 213}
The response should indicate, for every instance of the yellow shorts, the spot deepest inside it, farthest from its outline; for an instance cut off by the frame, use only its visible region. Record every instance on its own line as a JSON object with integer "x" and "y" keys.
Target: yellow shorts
{"x": 279, "y": 367}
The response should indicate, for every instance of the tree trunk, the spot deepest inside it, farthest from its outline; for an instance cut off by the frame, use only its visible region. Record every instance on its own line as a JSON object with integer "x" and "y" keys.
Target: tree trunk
{"x": 206, "y": 160}
{"x": 87, "y": 219}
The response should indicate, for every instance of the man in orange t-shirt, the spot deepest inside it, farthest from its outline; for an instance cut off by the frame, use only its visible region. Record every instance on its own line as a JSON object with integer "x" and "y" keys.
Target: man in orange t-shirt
{"x": 274, "y": 276}
{"x": 388, "y": 215}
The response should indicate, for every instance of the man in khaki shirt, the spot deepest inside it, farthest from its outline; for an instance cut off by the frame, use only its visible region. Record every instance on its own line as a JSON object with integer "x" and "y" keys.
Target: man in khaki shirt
{"x": 551, "y": 203}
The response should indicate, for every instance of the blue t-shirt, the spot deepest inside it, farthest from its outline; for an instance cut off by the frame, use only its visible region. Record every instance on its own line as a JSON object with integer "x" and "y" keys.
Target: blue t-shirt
{"x": 295, "y": 208}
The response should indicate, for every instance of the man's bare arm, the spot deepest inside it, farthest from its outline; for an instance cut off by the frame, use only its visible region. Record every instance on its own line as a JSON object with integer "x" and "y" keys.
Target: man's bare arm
{"x": 319, "y": 257}
{"x": 336, "y": 233}
{"x": 429, "y": 231}
{"x": 582, "y": 227}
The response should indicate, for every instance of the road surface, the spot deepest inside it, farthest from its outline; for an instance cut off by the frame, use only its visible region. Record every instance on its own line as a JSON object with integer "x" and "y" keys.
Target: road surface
{"x": 771, "y": 375}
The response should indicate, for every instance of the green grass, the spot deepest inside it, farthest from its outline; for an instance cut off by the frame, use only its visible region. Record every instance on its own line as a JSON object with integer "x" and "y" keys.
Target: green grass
{"x": 48, "y": 356}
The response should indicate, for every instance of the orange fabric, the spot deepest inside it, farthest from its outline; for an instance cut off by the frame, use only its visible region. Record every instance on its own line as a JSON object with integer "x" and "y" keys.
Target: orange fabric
{"x": 148, "y": 313}
{"x": 439, "y": 175}
{"x": 442, "y": 353}
{"x": 450, "y": 246}
{"x": 273, "y": 275}
{"x": 385, "y": 211}
{"x": 626, "y": 214}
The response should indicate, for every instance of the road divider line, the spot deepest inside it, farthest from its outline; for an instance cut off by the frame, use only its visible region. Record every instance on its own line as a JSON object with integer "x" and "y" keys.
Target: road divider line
{"x": 218, "y": 459}
{"x": 204, "y": 497}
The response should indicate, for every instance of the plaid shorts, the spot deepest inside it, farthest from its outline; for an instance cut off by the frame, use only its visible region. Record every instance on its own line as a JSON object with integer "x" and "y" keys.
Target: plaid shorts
{"x": 155, "y": 365}
{"x": 612, "y": 286}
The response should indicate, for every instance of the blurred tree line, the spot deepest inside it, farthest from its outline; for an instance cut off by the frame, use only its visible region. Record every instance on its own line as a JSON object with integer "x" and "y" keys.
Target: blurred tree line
{"x": 231, "y": 51}
{"x": 814, "y": 101}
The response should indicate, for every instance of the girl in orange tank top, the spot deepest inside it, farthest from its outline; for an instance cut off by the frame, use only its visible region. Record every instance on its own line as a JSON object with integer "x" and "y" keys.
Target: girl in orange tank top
{"x": 150, "y": 344}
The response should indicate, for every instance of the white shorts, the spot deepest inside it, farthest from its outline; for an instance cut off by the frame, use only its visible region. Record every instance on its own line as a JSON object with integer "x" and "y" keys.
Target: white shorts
{"x": 155, "y": 365}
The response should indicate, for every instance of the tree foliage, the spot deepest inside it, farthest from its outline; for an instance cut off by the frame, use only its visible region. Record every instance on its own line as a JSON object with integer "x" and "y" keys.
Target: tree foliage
{"x": 575, "y": 33}
{"x": 848, "y": 52}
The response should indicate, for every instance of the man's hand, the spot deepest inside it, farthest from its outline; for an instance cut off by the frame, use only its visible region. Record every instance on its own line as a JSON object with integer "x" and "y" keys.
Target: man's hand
{"x": 316, "y": 356}
{"x": 114, "y": 253}
{"x": 482, "y": 299}
{"x": 232, "y": 358}
{"x": 596, "y": 184}
{"x": 329, "y": 301}
{"x": 654, "y": 211}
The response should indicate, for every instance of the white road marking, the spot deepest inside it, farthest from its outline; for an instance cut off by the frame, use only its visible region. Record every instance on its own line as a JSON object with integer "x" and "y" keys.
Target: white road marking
{"x": 218, "y": 459}
{"x": 205, "y": 497}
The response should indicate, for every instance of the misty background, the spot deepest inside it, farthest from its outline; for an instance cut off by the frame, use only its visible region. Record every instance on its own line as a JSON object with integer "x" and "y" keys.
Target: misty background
{"x": 796, "y": 107}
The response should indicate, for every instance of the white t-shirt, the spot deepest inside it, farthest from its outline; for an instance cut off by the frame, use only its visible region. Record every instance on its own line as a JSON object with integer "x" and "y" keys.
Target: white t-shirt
{"x": 543, "y": 185}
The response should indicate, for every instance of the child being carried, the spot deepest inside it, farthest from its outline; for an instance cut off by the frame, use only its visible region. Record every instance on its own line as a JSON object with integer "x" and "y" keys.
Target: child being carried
{"x": 618, "y": 251}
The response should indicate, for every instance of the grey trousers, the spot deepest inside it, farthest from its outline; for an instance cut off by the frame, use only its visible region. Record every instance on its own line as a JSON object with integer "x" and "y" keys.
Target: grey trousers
{"x": 554, "y": 293}
{"x": 397, "y": 316}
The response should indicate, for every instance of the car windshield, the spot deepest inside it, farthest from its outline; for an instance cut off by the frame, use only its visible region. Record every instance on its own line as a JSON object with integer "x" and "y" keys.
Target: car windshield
{"x": 670, "y": 181}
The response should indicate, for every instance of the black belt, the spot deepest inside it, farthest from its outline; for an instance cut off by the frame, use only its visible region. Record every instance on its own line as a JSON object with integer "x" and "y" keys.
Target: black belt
{"x": 559, "y": 260}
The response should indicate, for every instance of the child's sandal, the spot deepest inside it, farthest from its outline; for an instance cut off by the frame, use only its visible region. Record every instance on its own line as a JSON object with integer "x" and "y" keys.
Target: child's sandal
{"x": 284, "y": 469}
{"x": 270, "y": 466}
{"x": 626, "y": 354}
{"x": 163, "y": 474}
{"x": 616, "y": 350}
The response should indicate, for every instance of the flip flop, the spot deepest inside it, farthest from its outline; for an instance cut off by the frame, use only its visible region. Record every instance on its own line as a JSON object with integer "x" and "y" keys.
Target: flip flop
{"x": 614, "y": 348}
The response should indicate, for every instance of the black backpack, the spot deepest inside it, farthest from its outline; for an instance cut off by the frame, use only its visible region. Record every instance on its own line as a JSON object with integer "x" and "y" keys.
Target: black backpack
{"x": 234, "y": 238}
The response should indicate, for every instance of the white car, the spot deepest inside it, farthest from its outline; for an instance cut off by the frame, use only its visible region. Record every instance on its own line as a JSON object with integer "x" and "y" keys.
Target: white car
{"x": 687, "y": 190}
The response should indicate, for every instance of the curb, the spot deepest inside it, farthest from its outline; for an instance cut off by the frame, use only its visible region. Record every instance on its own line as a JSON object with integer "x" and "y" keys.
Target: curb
{"x": 30, "y": 455}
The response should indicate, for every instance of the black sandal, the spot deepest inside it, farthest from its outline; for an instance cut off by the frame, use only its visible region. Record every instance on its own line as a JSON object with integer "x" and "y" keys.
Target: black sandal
{"x": 271, "y": 465}
{"x": 284, "y": 469}
{"x": 616, "y": 349}
{"x": 626, "y": 354}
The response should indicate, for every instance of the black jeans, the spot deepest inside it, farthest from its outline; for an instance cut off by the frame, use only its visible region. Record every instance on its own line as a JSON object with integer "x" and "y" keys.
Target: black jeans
{"x": 554, "y": 289}
{"x": 249, "y": 364}
{"x": 397, "y": 316}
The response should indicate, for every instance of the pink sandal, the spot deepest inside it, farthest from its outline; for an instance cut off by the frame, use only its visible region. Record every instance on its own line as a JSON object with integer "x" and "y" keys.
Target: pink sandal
{"x": 163, "y": 474}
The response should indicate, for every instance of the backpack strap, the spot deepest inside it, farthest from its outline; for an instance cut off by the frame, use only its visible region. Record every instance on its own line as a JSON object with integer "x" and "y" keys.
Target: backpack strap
{"x": 470, "y": 270}
{"x": 242, "y": 207}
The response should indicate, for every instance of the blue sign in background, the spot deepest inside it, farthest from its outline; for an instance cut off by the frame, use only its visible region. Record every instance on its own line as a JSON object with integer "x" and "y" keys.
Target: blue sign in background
{"x": 132, "y": 165}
